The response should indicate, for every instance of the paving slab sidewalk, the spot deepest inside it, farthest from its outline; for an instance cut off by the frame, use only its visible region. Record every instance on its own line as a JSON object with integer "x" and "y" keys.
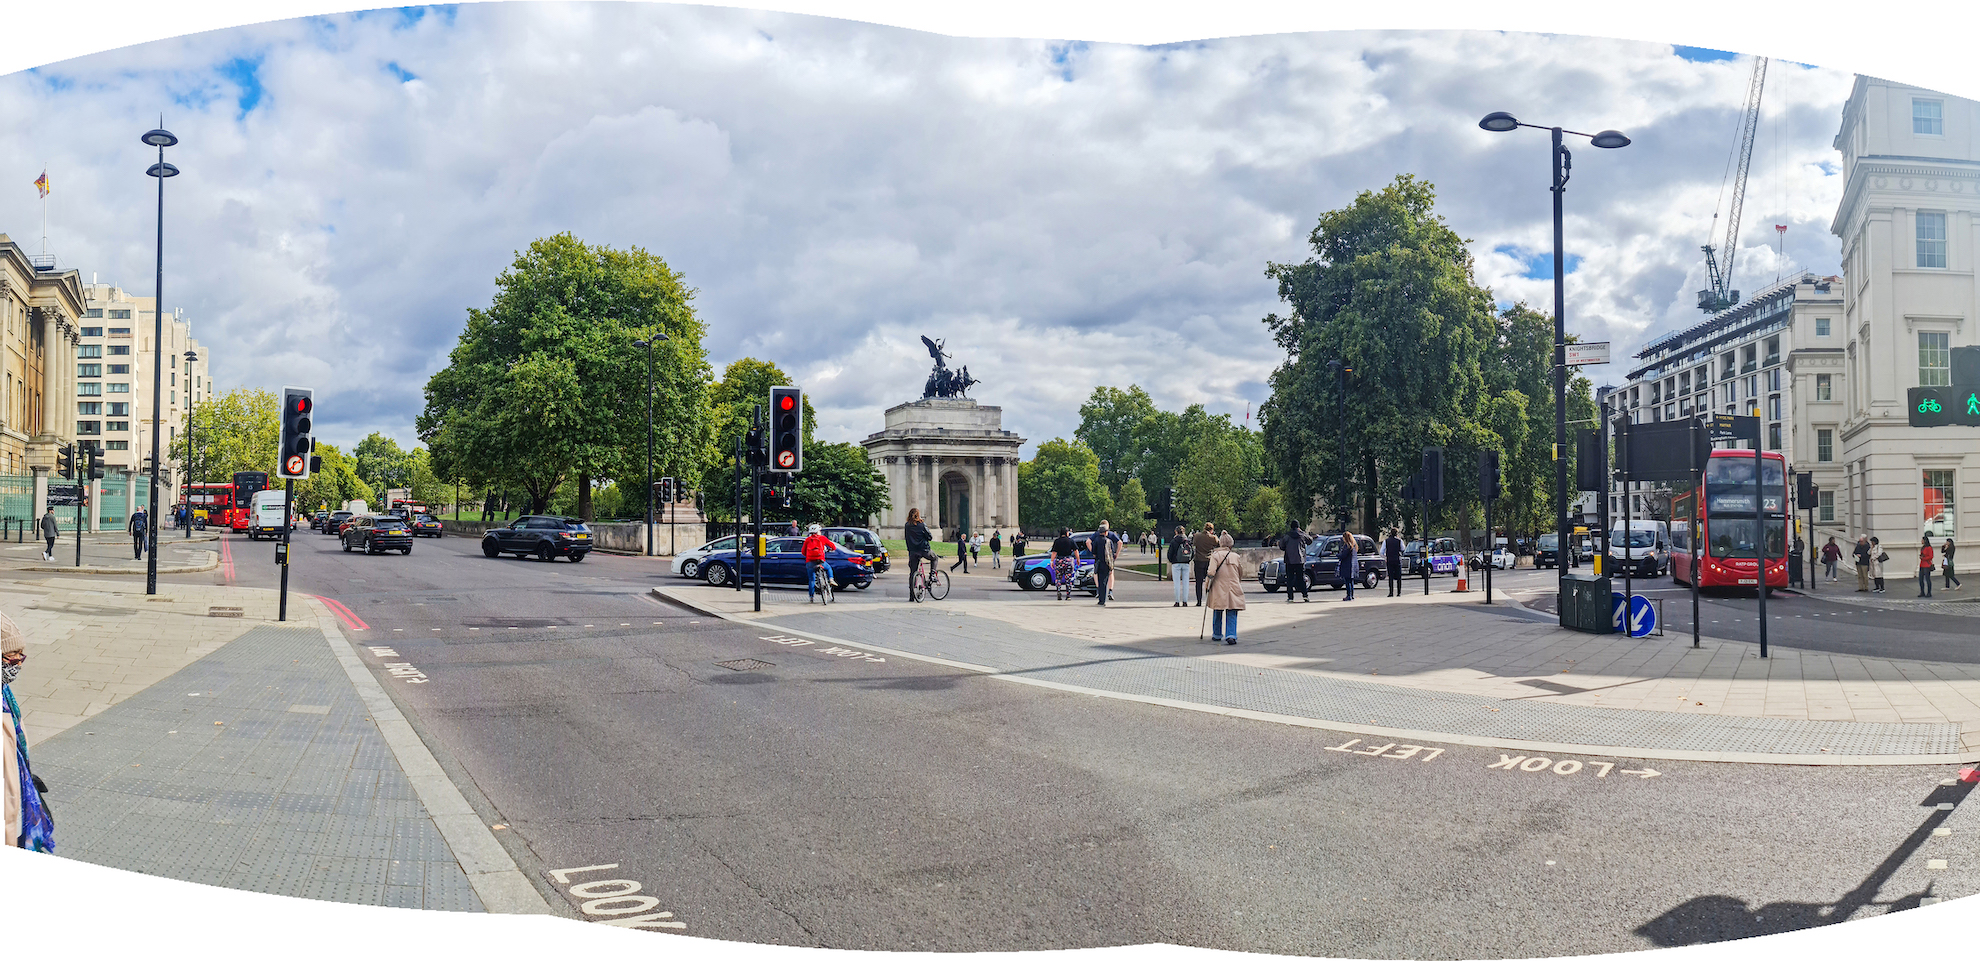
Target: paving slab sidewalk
{"x": 189, "y": 735}
{"x": 112, "y": 554}
{"x": 1434, "y": 664}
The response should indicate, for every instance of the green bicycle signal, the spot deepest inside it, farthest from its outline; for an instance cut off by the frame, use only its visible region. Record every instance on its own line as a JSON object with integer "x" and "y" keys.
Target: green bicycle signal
{"x": 1930, "y": 406}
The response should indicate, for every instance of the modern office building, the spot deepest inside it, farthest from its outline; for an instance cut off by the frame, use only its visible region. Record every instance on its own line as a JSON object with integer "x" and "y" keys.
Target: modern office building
{"x": 113, "y": 379}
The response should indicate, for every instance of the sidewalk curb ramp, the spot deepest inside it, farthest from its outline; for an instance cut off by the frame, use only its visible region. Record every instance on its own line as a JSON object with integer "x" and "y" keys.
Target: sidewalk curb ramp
{"x": 1969, "y": 732}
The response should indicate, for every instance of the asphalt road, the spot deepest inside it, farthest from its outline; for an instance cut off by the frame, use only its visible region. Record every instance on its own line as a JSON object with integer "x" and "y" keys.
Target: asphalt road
{"x": 856, "y": 802}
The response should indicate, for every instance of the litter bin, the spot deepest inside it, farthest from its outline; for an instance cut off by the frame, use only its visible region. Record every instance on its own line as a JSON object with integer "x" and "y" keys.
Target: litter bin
{"x": 1586, "y": 604}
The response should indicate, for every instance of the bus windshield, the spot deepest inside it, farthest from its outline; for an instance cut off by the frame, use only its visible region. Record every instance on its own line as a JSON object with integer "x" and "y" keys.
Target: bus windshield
{"x": 1739, "y": 537}
{"x": 1729, "y": 485}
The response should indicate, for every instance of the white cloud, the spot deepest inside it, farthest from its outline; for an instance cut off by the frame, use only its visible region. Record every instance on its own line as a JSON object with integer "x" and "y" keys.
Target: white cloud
{"x": 1065, "y": 215}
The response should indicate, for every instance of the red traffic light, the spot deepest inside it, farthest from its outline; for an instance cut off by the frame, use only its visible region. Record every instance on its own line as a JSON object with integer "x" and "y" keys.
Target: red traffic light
{"x": 786, "y": 402}
{"x": 302, "y": 405}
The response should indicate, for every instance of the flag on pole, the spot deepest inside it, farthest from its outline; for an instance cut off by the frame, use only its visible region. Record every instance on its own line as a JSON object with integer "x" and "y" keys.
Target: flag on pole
{"x": 41, "y": 183}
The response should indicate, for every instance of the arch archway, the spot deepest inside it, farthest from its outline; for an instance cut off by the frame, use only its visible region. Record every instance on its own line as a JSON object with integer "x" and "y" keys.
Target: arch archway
{"x": 953, "y": 505}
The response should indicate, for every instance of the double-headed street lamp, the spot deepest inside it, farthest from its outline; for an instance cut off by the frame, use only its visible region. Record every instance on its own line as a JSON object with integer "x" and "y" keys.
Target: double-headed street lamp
{"x": 161, "y": 138}
{"x": 1500, "y": 121}
{"x": 191, "y": 358}
{"x": 658, "y": 336}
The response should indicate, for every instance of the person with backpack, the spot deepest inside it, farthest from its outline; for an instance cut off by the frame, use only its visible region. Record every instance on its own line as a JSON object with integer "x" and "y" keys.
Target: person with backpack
{"x": 1179, "y": 564}
{"x": 1925, "y": 566}
{"x": 1292, "y": 545}
{"x": 1203, "y": 543}
{"x": 919, "y": 541}
{"x": 1106, "y": 550}
{"x": 1946, "y": 560}
{"x": 1862, "y": 555}
{"x": 139, "y": 524}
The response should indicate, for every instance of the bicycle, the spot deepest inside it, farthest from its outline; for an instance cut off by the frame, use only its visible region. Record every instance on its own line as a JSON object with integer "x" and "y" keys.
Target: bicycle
{"x": 821, "y": 581}
{"x": 934, "y": 583}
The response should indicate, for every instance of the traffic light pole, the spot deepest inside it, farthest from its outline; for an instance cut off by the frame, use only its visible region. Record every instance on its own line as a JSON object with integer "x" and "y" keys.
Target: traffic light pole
{"x": 1492, "y": 551}
{"x": 288, "y": 507}
{"x": 756, "y": 519}
{"x": 82, "y": 484}
{"x": 739, "y": 510}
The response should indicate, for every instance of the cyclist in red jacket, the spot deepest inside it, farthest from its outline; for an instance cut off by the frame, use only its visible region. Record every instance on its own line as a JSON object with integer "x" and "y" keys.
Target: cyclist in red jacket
{"x": 816, "y": 545}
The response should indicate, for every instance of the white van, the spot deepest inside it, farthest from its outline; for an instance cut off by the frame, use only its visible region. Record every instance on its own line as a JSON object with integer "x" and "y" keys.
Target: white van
{"x": 269, "y": 515}
{"x": 1644, "y": 547}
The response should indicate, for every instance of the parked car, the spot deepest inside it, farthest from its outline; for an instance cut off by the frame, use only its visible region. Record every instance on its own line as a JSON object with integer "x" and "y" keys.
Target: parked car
{"x": 427, "y": 525}
{"x": 1033, "y": 572}
{"x": 375, "y": 533}
{"x": 859, "y": 540}
{"x": 1323, "y": 559}
{"x": 546, "y": 536}
{"x": 783, "y": 563}
{"x": 1500, "y": 559}
{"x": 687, "y": 563}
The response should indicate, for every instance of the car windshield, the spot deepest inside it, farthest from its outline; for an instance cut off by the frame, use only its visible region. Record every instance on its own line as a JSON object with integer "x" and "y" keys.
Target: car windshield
{"x": 1549, "y": 541}
{"x": 1633, "y": 539}
{"x": 725, "y": 544}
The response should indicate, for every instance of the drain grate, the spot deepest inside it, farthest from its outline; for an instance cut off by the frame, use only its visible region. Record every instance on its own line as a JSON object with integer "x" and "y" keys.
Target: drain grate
{"x": 223, "y": 612}
{"x": 744, "y": 664}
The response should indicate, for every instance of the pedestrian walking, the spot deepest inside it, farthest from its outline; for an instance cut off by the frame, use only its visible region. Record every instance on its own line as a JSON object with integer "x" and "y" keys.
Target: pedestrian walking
{"x": 1861, "y": 554}
{"x": 1925, "y": 566}
{"x": 1830, "y": 555}
{"x": 1349, "y": 569}
{"x": 1878, "y": 557}
{"x": 1106, "y": 550}
{"x": 1392, "y": 550}
{"x": 1204, "y": 542}
{"x": 976, "y": 549}
{"x": 1018, "y": 542}
{"x": 1292, "y": 545}
{"x": 138, "y": 525}
{"x": 996, "y": 547}
{"x": 1226, "y": 591}
{"x": 1064, "y": 562}
{"x": 1946, "y": 562}
{"x": 1119, "y": 544}
{"x": 918, "y": 542}
{"x": 24, "y": 818}
{"x": 962, "y": 551}
{"x": 48, "y": 533}
{"x": 1179, "y": 556}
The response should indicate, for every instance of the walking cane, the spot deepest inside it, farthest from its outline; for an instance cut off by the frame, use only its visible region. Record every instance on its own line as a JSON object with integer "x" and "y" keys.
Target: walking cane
{"x": 1200, "y": 628}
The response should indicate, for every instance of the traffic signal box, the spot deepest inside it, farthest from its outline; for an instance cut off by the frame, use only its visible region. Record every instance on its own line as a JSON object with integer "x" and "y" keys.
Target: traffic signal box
{"x": 1953, "y": 405}
{"x": 95, "y": 462}
{"x": 786, "y": 429}
{"x": 298, "y": 409}
{"x": 65, "y": 461}
{"x": 1488, "y": 475}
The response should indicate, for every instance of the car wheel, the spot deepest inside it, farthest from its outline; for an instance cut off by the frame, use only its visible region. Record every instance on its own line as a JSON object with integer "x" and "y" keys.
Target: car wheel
{"x": 488, "y": 550}
{"x": 577, "y": 556}
{"x": 1368, "y": 580}
{"x": 543, "y": 553}
{"x": 715, "y": 574}
{"x": 347, "y": 547}
{"x": 371, "y": 547}
{"x": 863, "y": 585}
{"x": 407, "y": 552}
{"x": 690, "y": 569}
{"x": 1038, "y": 579}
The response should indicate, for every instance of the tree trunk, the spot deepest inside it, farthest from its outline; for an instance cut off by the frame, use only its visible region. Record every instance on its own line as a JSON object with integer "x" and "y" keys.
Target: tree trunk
{"x": 584, "y": 497}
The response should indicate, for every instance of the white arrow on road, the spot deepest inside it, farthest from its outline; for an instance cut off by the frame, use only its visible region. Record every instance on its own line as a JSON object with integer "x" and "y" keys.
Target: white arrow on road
{"x": 1647, "y": 773}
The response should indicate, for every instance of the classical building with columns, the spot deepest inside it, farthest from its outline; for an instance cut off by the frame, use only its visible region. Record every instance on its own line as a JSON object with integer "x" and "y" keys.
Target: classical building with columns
{"x": 952, "y": 458}
{"x": 39, "y": 307}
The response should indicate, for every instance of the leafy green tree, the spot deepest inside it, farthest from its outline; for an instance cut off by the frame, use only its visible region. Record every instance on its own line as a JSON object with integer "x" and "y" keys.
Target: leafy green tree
{"x": 1060, "y": 487}
{"x": 334, "y": 484}
{"x": 1389, "y": 292}
{"x": 235, "y": 431}
{"x": 1129, "y": 508}
{"x": 547, "y": 385}
{"x": 1212, "y": 482}
{"x": 382, "y": 463}
{"x": 427, "y": 488}
{"x": 839, "y": 485}
{"x": 1114, "y": 424}
{"x": 1264, "y": 513}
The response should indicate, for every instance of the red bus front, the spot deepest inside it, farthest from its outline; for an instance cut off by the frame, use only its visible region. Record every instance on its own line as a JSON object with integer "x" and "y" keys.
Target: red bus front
{"x": 1724, "y": 533}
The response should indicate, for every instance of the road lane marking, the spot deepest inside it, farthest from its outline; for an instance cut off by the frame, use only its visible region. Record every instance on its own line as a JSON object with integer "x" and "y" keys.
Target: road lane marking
{"x": 614, "y": 901}
{"x": 1566, "y": 767}
{"x": 345, "y": 614}
{"x": 1408, "y": 751}
{"x": 835, "y": 650}
{"x": 226, "y": 560}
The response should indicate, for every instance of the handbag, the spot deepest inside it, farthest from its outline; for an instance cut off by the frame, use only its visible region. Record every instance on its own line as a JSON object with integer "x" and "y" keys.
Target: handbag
{"x": 1884, "y": 558}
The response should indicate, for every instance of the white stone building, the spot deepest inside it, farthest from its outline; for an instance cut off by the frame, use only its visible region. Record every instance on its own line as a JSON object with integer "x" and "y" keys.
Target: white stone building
{"x": 953, "y": 459}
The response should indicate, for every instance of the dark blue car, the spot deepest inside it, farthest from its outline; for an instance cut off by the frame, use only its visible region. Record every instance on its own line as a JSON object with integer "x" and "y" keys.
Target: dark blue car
{"x": 1033, "y": 572}
{"x": 783, "y": 563}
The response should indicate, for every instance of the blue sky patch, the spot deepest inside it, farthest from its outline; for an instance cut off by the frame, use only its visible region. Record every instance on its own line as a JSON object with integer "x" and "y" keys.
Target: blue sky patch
{"x": 243, "y": 73}
{"x": 1702, "y": 54}
{"x": 402, "y": 73}
{"x": 1536, "y": 266}
{"x": 1062, "y": 57}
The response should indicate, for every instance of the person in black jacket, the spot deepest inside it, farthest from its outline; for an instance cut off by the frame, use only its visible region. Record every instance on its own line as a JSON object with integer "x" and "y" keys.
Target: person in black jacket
{"x": 1293, "y": 544}
{"x": 918, "y": 540}
{"x": 1179, "y": 558}
{"x": 1105, "y": 550}
{"x": 1350, "y": 569}
{"x": 1065, "y": 562}
{"x": 1392, "y": 550}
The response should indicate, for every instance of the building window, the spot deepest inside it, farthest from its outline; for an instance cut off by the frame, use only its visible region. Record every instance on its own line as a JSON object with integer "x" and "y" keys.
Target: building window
{"x": 1753, "y": 387}
{"x": 1931, "y": 238}
{"x": 119, "y": 410}
{"x": 93, "y": 312}
{"x": 1751, "y": 358}
{"x": 1825, "y": 445}
{"x": 92, "y": 331}
{"x": 89, "y": 350}
{"x": 1825, "y": 387}
{"x": 116, "y": 445}
{"x": 89, "y": 408}
{"x": 1773, "y": 407}
{"x": 89, "y": 427}
{"x": 1773, "y": 437}
{"x": 120, "y": 368}
{"x": 1773, "y": 350}
{"x": 1928, "y": 117}
{"x": 1934, "y": 358}
{"x": 1821, "y": 326}
{"x": 1684, "y": 382}
{"x": 1774, "y": 379}
{"x": 120, "y": 350}
{"x": 89, "y": 390}
{"x": 1939, "y": 513}
{"x": 120, "y": 331}
{"x": 1827, "y": 512}
{"x": 89, "y": 370}
{"x": 119, "y": 425}
{"x": 120, "y": 388}
{"x": 175, "y": 378}
{"x": 121, "y": 315}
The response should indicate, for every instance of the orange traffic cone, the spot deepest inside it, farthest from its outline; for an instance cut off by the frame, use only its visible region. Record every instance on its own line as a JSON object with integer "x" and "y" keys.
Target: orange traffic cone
{"x": 1464, "y": 583}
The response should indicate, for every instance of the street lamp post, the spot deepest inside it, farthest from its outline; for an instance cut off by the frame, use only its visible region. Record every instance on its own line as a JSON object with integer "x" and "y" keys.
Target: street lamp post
{"x": 658, "y": 335}
{"x": 1501, "y": 122}
{"x": 161, "y": 138}
{"x": 191, "y": 358}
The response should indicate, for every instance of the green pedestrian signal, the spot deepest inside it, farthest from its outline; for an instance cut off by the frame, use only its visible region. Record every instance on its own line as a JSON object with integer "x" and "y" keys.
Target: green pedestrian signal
{"x": 1973, "y": 404}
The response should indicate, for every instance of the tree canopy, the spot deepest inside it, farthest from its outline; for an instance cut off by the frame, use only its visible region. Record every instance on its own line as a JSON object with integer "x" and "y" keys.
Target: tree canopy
{"x": 1060, "y": 488}
{"x": 235, "y": 431}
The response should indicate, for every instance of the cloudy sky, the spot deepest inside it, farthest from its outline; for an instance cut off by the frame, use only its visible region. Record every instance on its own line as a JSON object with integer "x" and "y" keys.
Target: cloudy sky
{"x": 1063, "y": 214}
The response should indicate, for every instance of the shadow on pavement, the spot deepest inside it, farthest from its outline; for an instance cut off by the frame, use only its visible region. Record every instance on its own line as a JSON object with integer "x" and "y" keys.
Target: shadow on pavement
{"x": 1720, "y": 917}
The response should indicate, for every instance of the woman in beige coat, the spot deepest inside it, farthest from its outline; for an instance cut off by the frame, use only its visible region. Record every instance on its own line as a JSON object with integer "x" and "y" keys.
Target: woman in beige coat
{"x": 1225, "y": 591}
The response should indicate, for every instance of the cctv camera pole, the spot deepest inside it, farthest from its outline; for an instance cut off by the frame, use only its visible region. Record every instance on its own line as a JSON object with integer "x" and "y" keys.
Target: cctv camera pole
{"x": 282, "y": 553}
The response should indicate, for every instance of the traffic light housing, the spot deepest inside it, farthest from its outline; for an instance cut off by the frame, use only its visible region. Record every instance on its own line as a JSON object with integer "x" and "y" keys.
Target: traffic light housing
{"x": 95, "y": 462}
{"x": 1591, "y": 461}
{"x": 1432, "y": 488}
{"x": 65, "y": 461}
{"x": 753, "y": 447}
{"x": 1488, "y": 475}
{"x": 663, "y": 490}
{"x": 298, "y": 413}
{"x": 786, "y": 429}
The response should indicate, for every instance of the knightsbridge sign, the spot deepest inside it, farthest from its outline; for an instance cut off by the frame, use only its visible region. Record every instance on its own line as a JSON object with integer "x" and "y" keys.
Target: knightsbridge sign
{"x": 1579, "y": 355}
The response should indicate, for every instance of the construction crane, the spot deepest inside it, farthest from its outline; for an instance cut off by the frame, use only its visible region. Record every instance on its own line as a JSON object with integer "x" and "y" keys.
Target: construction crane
{"x": 1719, "y": 296}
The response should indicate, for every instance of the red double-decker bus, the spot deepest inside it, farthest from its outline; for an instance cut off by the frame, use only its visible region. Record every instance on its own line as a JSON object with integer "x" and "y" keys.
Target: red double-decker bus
{"x": 1716, "y": 529}
{"x": 216, "y": 501}
{"x": 247, "y": 483}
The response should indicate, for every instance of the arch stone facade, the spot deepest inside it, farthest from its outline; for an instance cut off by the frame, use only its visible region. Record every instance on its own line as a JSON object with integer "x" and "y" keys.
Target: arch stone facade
{"x": 951, "y": 457}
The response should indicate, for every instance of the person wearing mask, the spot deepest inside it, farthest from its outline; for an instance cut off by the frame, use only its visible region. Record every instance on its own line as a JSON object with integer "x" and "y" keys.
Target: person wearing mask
{"x": 1830, "y": 555}
{"x": 1392, "y": 550}
{"x": 1925, "y": 566}
{"x": 24, "y": 820}
{"x": 1946, "y": 565}
{"x": 1862, "y": 556}
{"x": 1065, "y": 562}
{"x": 1350, "y": 570}
{"x": 816, "y": 546}
{"x": 48, "y": 533}
{"x": 1105, "y": 549}
{"x": 1203, "y": 544}
{"x": 139, "y": 523}
{"x": 1226, "y": 592}
{"x": 918, "y": 543}
{"x": 996, "y": 547}
{"x": 1878, "y": 556}
{"x": 1179, "y": 553}
{"x": 1292, "y": 546}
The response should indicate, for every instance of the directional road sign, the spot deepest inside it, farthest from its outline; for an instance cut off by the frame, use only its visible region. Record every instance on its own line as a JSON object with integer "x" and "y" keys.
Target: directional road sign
{"x": 1642, "y": 614}
{"x": 64, "y": 495}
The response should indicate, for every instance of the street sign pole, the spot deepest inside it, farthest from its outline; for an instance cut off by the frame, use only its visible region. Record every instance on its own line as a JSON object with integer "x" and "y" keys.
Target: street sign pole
{"x": 756, "y": 544}
{"x": 1760, "y": 516}
{"x": 1691, "y": 521}
{"x": 82, "y": 484}
{"x": 288, "y": 501}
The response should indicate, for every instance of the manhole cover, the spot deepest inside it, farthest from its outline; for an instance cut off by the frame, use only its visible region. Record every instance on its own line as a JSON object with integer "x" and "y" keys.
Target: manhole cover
{"x": 744, "y": 664}
{"x": 223, "y": 612}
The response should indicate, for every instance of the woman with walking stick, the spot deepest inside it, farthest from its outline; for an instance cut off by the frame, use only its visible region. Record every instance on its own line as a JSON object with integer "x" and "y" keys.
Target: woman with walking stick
{"x": 1225, "y": 591}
